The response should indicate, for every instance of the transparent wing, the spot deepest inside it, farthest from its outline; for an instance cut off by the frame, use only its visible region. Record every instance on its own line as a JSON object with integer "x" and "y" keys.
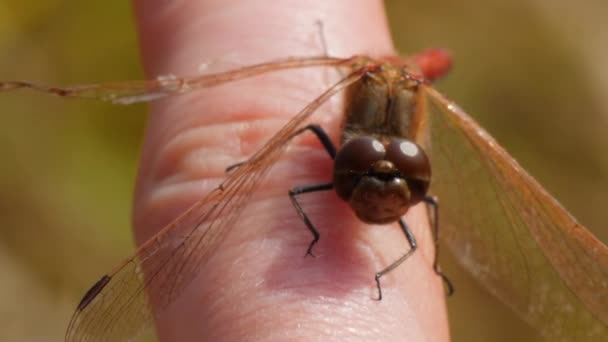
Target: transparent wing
{"x": 148, "y": 90}
{"x": 123, "y": 302}
{"x": 511, "y": 234}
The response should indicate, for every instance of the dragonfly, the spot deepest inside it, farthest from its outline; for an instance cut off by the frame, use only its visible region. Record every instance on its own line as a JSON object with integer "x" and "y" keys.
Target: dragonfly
{"x": 497, "y": 220}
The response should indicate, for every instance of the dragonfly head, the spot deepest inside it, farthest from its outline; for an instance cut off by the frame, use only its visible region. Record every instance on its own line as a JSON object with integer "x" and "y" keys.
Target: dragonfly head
{"x": 381, "y": 180}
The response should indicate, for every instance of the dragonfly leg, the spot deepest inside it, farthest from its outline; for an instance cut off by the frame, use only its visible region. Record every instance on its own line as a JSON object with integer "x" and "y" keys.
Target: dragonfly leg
{"x": 302, "y": 190}
{"x": 433, "y": 204}
{"x": 317, "y": 130}
{"x": 331, "y": 150}
{"x": 412, "y": 241}
{"x": 321, "y": 135}
{"x": 234, "y": 166}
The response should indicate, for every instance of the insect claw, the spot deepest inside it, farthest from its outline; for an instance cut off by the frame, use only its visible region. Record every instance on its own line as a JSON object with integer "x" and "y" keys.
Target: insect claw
{"x": 377, "y": 278}
{"x": 309, "y": 252}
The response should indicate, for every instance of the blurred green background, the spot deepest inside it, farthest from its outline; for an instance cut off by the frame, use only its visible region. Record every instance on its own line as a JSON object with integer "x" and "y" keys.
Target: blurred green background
{"x": 534, "y": 73}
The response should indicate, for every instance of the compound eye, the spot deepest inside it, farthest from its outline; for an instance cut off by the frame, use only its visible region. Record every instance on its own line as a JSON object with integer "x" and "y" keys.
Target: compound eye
{"x": 409, "y": 159}
{"x": 359, "y": 154}
{"x": 413, "y": 164}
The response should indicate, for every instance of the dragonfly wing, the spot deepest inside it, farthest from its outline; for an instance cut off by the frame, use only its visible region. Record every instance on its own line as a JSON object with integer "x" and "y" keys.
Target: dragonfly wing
{"x": 149, "y": 90}
{"x": 516, "y": 239}
{"x": 122, "y": 303}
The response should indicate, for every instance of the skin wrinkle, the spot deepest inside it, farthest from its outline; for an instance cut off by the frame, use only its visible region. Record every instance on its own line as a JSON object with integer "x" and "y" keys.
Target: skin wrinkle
{"x": 257, "y": 108}
{"x": 273, "y": 292}
{"x": 177, "y": 188}
{"x": 202, "y": 140}
{"x": 188, "y": 163}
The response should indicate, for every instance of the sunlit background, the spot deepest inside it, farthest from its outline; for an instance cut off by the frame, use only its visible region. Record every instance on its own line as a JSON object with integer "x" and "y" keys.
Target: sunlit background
{"x": 534, "y": 73}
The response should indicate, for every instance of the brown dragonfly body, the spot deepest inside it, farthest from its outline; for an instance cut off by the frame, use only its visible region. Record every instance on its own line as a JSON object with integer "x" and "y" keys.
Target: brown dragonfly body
{"x": 380, "y": 170}
{"x": 498, "y": 221}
